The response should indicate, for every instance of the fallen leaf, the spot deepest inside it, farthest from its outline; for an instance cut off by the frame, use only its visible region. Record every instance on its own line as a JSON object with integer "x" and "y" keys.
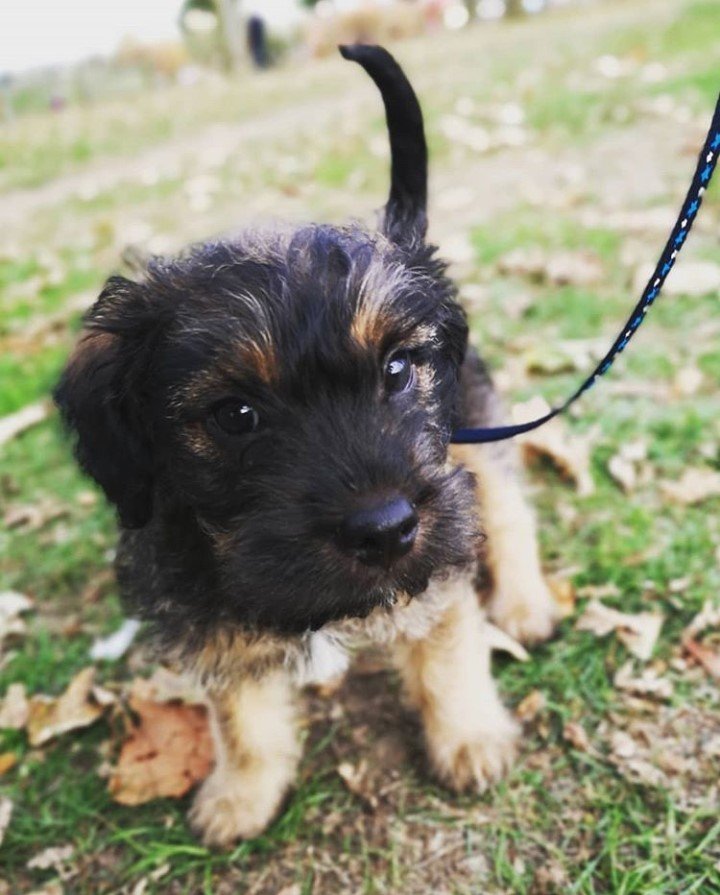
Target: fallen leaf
{"x": 6, "y": 809}
{"x": 623, "y": 472}
{"x": 15, "y": 708}
{"x": 504, "y": 643}
{"x": 638, "y": 632}
{"x": 707, "y": 657}
{"x": 54, "y": 857}
{"x": 355, "y": 778}
{"x": 629, "y": 467}
{"x": 694, "y": 486}
{"x": 622, "y": 744}
{"x": 52, "y": 888}
{"x": 31, "y": 517}
{"x": 569, "y": 454}
{"x": 564, "y": 594}
{"x": 52, "y": 716}
{"x": 12, "y": 605}
{"x": 114, "y": 646}
{"x": 598, "y": 591}
{"x": 8, "y": 760}
{"x": 581, "y": 268}
{"x": 575, "y": 734}
{"x": 647, "y": 683}
{"x": 708, "y": 617}
{"x": 548, "y": 361}
{"x": 167, "y": 752}
{"x": 16, "y": 423}
{"x": 531, "y": 706}
{"x": 688, "y": 382}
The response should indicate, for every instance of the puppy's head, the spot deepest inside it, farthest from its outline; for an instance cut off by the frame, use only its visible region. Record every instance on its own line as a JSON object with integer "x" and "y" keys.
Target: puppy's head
{"x": 293, "y": 394}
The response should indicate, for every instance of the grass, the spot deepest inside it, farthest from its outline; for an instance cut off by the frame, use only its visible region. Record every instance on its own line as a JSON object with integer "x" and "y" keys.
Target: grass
{"x": 565, "y": 820}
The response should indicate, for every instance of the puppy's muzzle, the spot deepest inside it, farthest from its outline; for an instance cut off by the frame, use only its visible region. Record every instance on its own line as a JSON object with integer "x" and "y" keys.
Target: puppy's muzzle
{"x": 379, "y": 533}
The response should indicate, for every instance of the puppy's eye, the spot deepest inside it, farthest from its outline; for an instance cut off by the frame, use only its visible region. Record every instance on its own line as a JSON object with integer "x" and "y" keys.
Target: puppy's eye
{"x": 399, "y": 373}
{"x": 236, "y": 418}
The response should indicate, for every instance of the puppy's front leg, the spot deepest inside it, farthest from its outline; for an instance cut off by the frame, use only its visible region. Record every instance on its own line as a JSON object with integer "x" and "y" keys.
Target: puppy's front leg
{"x": 470, "y": 734}
{"x": 521, "y": 603}
{"x": 256, "y": 756}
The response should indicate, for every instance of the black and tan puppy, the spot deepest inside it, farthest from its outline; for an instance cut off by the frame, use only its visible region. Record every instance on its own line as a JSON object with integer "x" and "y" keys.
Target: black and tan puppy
{"x": 271, "y": 417}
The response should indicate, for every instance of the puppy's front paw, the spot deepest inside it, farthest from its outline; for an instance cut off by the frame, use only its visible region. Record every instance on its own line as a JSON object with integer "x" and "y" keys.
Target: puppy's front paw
{"x": 473, "y": 761}
{"x": 524, "y": 608}
{"x": 228, "y": 807}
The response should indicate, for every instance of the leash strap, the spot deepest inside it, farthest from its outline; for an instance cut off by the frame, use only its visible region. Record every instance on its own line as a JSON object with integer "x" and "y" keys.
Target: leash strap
{"x": 688, "y": 212}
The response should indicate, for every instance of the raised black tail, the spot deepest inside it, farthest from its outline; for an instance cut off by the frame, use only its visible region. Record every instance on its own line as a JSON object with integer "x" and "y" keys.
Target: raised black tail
{"x": 405, "y": 212}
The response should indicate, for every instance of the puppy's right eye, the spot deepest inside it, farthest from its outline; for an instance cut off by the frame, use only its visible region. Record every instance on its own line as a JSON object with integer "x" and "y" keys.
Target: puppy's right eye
{"x": 235, "y": 418}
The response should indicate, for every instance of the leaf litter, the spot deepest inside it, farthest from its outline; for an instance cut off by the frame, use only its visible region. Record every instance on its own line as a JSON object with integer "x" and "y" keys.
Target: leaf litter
{"x": 637, "y": 631}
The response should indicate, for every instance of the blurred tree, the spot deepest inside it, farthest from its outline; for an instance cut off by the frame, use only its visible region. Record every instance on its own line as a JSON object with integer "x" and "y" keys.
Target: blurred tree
{"x": 514, "y": 8}
{"x": 214, "y": 28}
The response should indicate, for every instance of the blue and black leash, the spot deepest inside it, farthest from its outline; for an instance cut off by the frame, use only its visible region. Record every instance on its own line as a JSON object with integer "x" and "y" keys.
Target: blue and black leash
{"x": 688, "y": 212}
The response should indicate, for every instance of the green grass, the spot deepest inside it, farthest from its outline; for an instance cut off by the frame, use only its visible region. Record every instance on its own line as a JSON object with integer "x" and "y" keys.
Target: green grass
{"x": 560, "y": 808}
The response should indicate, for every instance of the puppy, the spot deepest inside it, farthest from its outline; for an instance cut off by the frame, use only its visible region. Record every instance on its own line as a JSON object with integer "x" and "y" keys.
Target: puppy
{"x": 271, "y": 417}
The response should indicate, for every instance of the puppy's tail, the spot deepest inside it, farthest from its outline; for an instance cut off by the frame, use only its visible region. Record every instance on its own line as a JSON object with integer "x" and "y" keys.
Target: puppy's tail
{"x": 406, "y": 209}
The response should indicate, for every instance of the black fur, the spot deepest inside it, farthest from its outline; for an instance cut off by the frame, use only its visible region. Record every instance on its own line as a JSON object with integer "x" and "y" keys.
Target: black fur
{"x": 405, "y": 212}
{"x": 221, "y": 530}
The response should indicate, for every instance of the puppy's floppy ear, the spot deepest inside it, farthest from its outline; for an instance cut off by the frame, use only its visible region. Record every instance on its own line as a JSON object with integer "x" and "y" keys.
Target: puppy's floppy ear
{"x": 406, "y": 209}
{"x": 101, "y": 397}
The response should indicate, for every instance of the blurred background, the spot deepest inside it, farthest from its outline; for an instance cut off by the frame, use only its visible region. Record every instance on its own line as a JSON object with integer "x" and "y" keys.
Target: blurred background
{"x": 563, "y": 136}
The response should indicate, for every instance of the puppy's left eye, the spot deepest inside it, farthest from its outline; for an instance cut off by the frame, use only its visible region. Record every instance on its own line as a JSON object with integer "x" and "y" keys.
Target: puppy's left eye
{"x": 399, "y": 373}
{"x": 236, "y": 418}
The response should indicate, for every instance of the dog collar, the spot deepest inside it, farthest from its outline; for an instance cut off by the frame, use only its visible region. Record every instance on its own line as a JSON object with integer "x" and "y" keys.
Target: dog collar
{"x": 678, "y": 235}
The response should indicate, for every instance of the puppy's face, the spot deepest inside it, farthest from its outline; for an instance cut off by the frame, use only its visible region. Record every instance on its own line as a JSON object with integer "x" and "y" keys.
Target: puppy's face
{"x": 294, "y": 395}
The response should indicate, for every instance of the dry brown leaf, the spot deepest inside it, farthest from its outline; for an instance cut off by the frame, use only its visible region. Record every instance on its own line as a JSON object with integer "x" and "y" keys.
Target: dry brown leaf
{"x": 581, "y": 268}
{"x": 569, "y": 454}
{"x": 16, "y": 423}
{"x": 8, "y": 760}
{"x": 707, "y": 657}
{"x": 688, "y": 382}
{"x": 694, "y": 486}
{"x": 708, "y": 617}
{"x": 52, "y": 716}
{"x": 599, "y": 591}
{"x": 531, "y": 705}
{"x": 12, "y": 605}
{"x": 647, "y": 683}
{"x": 638, "y": 631}
{"x": 575, "y": 734}
{"x": 30, "y": 517}
{"x": 54, "y": 887}
{"x": 623, "y": 472}
{"x": 167, "y": 752}
{"x": 6, "y": 809}
{"x": 56, "y": 856}
{"x": 356, "y": 779}
{"x": 15, "y": 708}
{"x": 564, "y": 594}
{"x": 115, "y": 645}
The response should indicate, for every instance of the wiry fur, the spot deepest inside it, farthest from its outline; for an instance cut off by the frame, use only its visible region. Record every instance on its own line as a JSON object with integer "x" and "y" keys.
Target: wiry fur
{"x": 229, "y": 544}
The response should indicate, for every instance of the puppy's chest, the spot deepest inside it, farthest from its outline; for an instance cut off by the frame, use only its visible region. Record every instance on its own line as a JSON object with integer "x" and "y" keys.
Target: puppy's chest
{"x": 325, "y": 653}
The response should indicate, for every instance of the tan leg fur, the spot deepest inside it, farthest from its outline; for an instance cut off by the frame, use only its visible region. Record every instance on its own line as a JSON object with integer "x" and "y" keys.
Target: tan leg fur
{"x": 257, "y": 752}
{"x": 470, "y": 734}
{"x": 521, "y": 603}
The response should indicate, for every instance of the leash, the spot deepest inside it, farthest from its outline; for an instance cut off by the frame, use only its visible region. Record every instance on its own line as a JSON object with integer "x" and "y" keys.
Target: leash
{"x": 688, "y": 212}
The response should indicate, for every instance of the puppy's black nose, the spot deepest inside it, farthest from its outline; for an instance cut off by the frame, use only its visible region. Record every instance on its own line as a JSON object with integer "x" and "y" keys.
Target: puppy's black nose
{"x": 380, "y": 534}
